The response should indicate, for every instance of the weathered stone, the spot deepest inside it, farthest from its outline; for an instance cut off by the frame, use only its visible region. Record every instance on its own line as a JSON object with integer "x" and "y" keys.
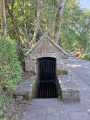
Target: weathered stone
{"x": 27, "y": 61}
{"x": 46, "y": 48}
{"x": 72, "y": 108}
{"x": 52, "y": 117}
{"x": 24, "y": 90}
{"x": 70, "y": 96}
{"x": 64, "y": 116}
{"x": 45, "y": 55}
{"x": 53, "y": 55}
{"x": 35, "y": 114}
{"x": 80, "y": 116}
{"x": 69, "y": 90}
{"x": 35, "y": 56}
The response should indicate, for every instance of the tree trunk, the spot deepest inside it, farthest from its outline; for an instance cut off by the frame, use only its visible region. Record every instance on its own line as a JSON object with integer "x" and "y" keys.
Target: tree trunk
{"x": 25, "y": 29}
{"x": 16, "y": 26}
{"x": 1, "y": 8}
{"x": 24, "y": 21}
{"x": 3, "y": 19}
{"x": 25, "y": 25}
{"x": 58, "y": 20}
{"x": 37, "y": 22}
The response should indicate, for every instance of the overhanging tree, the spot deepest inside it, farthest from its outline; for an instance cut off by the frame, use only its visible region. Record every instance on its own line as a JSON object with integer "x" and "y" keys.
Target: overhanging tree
{"x": 3, "y": 18}
{"x": 58, "y": 20}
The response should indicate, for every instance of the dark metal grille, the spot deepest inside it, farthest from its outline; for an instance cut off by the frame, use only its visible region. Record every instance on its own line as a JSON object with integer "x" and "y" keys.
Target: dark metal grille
{"x": 47, "y": 78}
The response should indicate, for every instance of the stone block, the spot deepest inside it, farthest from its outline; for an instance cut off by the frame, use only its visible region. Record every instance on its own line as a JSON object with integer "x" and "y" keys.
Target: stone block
{"x": 45, "y": 48}
{"x": 79, "y": 116}
{"x": 53, "y": 55}
{"x": 45, "y": 55}
{"x": 68, "y": 108}
{"x": 33, "y": 56}
{"x": 64, "y": 116}
{"x": 64, "y": 67}
{"x": 59, "y": 61}
{"x": 52, "y": 117}
{"x": 65, "y": 61}
{"x": 27, "y": 61}
{"x": 27, "y": 68}
{"x": 59, "y": 67}
{"x": 38, "y": 50}
{"x": 70, "y": 96}
{"x": 36, "y": 56}
{"x": 35, "y": 114}
{"x": 55, "y": 49}
{"x": 69, "y": 90}
{"x": 25, "y": 89}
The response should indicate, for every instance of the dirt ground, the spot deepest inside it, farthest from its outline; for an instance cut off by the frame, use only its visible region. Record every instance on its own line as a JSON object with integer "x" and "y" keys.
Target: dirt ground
{"x": 16, "y": 109}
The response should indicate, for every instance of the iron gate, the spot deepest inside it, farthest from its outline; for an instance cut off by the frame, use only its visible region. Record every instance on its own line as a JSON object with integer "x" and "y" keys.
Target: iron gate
{"x": 47, "y": 78}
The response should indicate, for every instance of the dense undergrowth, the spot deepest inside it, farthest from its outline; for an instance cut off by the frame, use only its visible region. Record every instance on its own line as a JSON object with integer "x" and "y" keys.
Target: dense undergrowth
{"x": 84, "y": 56}
{"x": 10, "y": 71}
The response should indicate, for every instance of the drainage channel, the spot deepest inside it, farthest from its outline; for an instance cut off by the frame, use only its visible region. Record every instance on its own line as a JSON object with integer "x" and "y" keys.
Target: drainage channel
{"x": 47, "y": 90}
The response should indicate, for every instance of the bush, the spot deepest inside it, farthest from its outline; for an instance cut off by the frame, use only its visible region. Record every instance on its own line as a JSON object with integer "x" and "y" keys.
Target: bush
{"x": 5, "y": 99}
{"x": 77, "y": 54}
{"x": 10, "y": 68}
{"x": 88, "y": 56}
{"x": 82, "y": 55}
{"x": 85, "y": 56}
{"x": 10, "y": 71}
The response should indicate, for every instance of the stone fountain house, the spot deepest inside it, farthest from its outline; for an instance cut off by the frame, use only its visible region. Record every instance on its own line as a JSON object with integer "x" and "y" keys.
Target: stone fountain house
{"x": 46, "y": 59}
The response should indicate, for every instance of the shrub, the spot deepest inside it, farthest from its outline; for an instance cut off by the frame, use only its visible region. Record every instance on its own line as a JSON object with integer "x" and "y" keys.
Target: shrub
{"x": 10, "y": 68}
{"x": 77, "y": 54}
{"x": 85, "y": 56}
{"x": 10, "y": 71}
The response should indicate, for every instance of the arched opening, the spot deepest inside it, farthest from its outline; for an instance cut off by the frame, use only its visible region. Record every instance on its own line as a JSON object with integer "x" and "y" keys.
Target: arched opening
{"x": 46, "y": 77}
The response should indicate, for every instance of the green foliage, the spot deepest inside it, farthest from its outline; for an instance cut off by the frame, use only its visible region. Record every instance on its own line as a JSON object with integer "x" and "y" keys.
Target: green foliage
{"x": 75, "y": 27}
{"x": 49, "y": 11}
{"x": 77, "y": 54}
{"x": 84, "y": 56}
{"x": 10, "y": 71}
{"x": 5, "y": 99}
{"x": 75, "y": 31}
{"x": 10, "y": 68}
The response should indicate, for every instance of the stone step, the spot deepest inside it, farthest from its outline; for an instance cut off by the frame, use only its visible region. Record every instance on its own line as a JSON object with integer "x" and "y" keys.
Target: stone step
{"x": 69, "y": 90}
{"x": 24, "y": 89}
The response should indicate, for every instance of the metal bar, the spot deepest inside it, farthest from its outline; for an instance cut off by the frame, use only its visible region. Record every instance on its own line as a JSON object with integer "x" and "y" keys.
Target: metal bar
{"x": 47, "y": 74}
{"x": 51, "y": 89}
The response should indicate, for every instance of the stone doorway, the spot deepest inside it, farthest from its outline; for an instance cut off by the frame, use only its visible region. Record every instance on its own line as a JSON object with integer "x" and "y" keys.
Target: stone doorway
{"x": 46, "y": 77}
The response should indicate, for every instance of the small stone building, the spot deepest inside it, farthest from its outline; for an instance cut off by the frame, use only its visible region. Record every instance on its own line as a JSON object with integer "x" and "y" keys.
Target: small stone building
{"x": 46, "y": 47}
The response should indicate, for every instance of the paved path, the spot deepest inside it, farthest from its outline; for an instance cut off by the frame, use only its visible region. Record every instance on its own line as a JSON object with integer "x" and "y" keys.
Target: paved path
{"x": 81, "y": 68}
{"x": 53, "y": 109}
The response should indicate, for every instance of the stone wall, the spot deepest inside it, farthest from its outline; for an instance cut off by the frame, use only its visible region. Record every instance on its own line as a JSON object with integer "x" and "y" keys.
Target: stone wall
{"x": 46, "y": 48}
